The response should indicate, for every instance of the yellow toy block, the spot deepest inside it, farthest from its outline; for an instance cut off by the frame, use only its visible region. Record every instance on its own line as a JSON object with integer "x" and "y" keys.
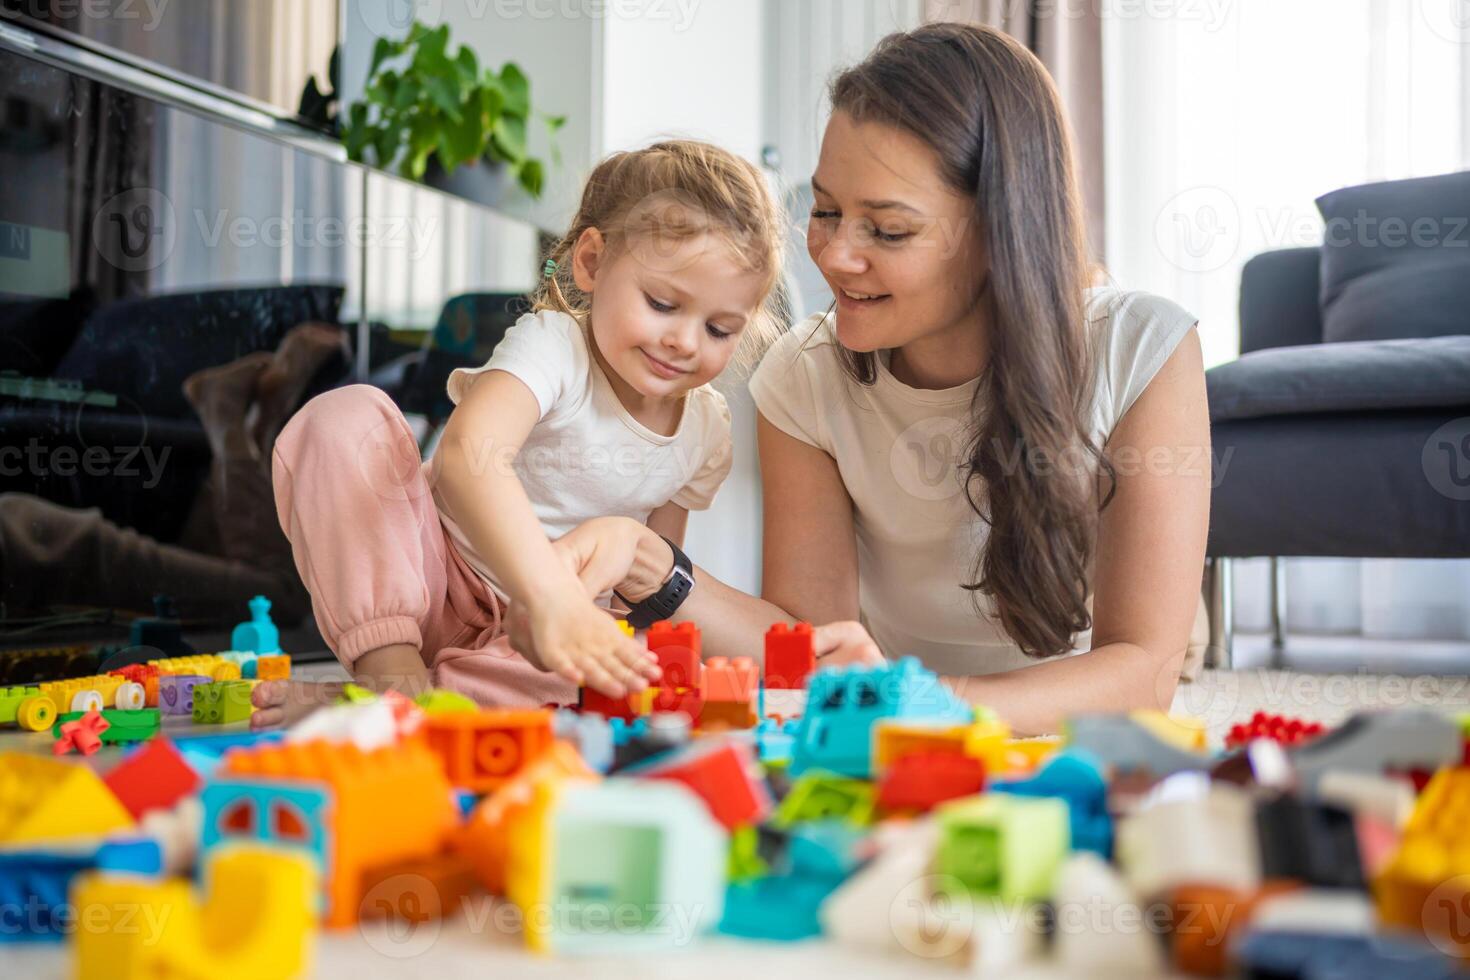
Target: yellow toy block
{"x": 895, "y": 738}
{"x": 63, "y": 693}
{"x": 1180, "y": 731}
{"x": 1432, "y": 860}
{"x": 43, "y": 799}
{"x": 201, "y": 664}
{"x": 255, "y": 920}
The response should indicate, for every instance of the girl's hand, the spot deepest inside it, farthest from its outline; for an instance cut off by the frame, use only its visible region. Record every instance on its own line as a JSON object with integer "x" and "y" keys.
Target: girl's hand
{"x": 570, "y": 636}
{"x": 837, "y": 644}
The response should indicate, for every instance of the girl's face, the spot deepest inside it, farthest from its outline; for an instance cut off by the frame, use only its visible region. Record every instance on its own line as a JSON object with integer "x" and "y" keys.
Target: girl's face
{"x": 666, "y": 316}
{"x": 902, "y": 251}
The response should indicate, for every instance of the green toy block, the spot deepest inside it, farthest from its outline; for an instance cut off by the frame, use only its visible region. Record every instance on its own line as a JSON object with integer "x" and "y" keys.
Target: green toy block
{"x": 745, "y": 862}
{"x": 437, "y": 702}
{"x": 222, "y": 702}
{"x": 1004, "y": 846}
{"x": 122, "y": 726}
{"x": 819, "y": 795}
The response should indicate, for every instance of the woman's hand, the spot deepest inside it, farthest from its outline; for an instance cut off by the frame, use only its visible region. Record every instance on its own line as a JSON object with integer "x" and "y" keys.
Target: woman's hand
{"x": 616, "y": 553}
{"x": 837, "y": 644}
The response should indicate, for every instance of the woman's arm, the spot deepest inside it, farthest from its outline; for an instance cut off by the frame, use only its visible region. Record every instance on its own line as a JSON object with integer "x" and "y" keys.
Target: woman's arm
{"x": 1150, "y": 559}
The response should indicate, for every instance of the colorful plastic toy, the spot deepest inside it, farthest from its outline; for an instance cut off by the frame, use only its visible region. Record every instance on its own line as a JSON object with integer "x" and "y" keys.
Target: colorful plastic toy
{"x": 1121, "y": 743}
{"x": 1009, "y": 847}
{"x": 274, "y": 667}
{"x": 26, "y": 707}
{"x": 644, "y": 855}
{"x": 1313, "y": 843}
{"x": 785, "y": 905}
{"x": 1278, "y": 728}
{"x": 722, "y": 772}
{"x": 920, "y": 781}
{"x": 731, "y": 694}
{"x": 1207, "y": 919}
{"x": 1377, "y": 742}
{"x": 844, "y": 703}
{"x": 122, "y": 727}
{"x": 259, "y": 635}
{"x": 481, "y": 750}
{"x": 176, "y": 693}
{"x": 590, "y": 733}
{"x": 1097, "y": 944}
{"x": 45, "y": 799}
{"x": 350, "y": 810}
{"x": 1075, "y": 777}
{"x": 1432, "y": 860}
{"x": 82, "y": 733}
{"x": 826, "y": 796}
{"x": 1197, "y": 840}
{"x": 790, "y": 656}
{"x": 255, "y": 920}
{"x": 223, "y": 702}
{"x": 35, "y": 882}
{"x": 155, "y": 777}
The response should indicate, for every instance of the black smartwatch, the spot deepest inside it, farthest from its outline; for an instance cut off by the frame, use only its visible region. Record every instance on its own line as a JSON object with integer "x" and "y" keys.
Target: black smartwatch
{"x": 661, "y": 604}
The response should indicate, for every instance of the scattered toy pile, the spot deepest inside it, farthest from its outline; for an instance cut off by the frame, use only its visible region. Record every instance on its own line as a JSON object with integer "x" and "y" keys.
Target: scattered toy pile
{"x": 889, "y": 815}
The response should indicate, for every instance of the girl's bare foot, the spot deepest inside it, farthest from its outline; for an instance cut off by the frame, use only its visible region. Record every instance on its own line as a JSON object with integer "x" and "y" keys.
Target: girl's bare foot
{"x": 283, "y": 703}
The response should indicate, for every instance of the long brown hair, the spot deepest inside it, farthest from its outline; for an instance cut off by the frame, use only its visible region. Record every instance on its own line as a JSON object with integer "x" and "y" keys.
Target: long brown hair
{"x": 675, "y": 190}
{"x": 990, "y": 111}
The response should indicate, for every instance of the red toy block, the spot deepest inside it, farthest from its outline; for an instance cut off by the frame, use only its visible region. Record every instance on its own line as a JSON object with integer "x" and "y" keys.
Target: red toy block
{"x": 731, "y": 680}
{"x": 483, "y": 749}
{"x": 597, "y": 703}
{"x": 689, "y": 700}
{"x": 84, "y": 734}
{"x": 676, "y": 645}
{"x": 152, "y": 778}
{"x": 145, "y": 674}
{"x": 723, "y": 773}
{"x": 923, "y": 780}
{"x": 1278, "y": 728}
{"x": 790, "y": 656}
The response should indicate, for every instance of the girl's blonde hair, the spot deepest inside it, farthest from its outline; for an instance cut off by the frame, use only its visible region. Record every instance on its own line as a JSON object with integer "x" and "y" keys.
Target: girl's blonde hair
{"x": 674, "y": 191}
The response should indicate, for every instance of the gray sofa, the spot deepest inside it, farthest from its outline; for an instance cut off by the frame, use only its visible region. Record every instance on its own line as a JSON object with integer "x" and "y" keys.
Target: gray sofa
{"x": 1343, "y": 429}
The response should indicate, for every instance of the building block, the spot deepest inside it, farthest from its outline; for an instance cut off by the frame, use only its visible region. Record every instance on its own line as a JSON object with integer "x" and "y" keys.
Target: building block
{"x": 790, "y": 656}
{"x": 1377, "y": 742}
{"x": 176, "y": 692}
{"x": 223, "y": 702}
{"x": 417, "y": 890}
{"x": 1180, "y": 731}
{"x": 677, "y": 647}
{"x": 591, "y": 734}
{"x": 921, "y": 780}
{"x": 826, "y": 796}
{"x": 718, "y": 716}
{"x": 155, "y": 777}
{"x": 1314, "y": 843}
{"x": 1207, "y": 919}
{"x": 650, "y": 736}
{"x": 82, "y": 733}
{"x": 26, "y": 707}
{"x": 728, "y": 679}
{"x": 44, "y": 799}
{"x": 34, "y": 884}
{"x": 1075, "y": 777}
{"x": 1009, "y": 847}
{"x": 254, "y": 921}
{"x": 721, "y": 772}
{"x": 481, "y": 750}
{"x": 595, "y": 702}
{"x": 1122, "y": 744}
{"x": 666, "y": 699}
{"x": 1208, "y": 840}
{"x": 145, "y": 675}
{"x": 198, "y": 663}
{"x": 646, "y": 856}
{"x": 485, "y": 838}
{"x": 123, "y": 727}
{"x": 894, "y": 738}
{"x": 259, "y": 634}
{"x": 350, "y": 810}
{"x": 1094, "y": 944}
{"x": 844, "y": 703}
{"x": 1277, "y": 728}
{"x": 246, "y": 660}
{"x": 1431, "y": 860}
{"x": 786, "y": 905}
{"x": 82, "y": 693}
{"x": 273, "y": 667}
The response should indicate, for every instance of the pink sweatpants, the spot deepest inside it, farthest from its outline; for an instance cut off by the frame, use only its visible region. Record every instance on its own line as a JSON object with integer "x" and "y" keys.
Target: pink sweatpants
{"x": 354, "y": 498}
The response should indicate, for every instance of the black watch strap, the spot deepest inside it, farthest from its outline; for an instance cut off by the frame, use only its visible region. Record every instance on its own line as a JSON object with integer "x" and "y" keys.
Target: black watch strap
{"x": 663, "y": 603}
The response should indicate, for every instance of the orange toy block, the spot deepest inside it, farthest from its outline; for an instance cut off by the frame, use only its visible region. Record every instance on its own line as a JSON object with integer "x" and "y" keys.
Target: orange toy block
{"x": 731, "y": 680}
{"x": 273, "y": 668}
{"x": 481, "y": 750}
{"x": 721, "y": 715}
{"x": 894, "y": 739}
{"x": 676, "y": 645}
{"x": 485, "y": 838}
{"x": 388, "y": 805}
{"x": 417, "y": 890}
{"x": 790, "y": 656}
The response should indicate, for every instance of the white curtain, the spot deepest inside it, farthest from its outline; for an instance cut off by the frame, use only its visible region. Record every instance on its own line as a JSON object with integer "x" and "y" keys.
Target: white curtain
{"x": 1225, "y": 120}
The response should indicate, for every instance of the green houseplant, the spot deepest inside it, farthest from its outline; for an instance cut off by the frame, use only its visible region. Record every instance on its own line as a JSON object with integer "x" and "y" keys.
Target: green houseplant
{"x": 442, "y": 106}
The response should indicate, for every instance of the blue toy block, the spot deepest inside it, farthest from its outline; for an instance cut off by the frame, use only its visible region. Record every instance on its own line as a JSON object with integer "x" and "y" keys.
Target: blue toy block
{"x": 287, "y": 814}
{"x": 1076, "y": 777}
{"x": 774, "y": 743}
{"x": 624, "y": 732}
{"x": 466, "y": 800}
{"x": 784, "y": 906}
{"x": 204, "y": 752}
{"x": 246, "y": 660}
{"x": 34, "y": 884}
{"x": 259, "y": 635}
{"x": 591, "y": 733}
{"x": 844, "y": 703}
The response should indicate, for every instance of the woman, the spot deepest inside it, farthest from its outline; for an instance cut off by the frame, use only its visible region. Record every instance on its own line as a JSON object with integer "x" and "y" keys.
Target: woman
{"x": 979, "y": 452}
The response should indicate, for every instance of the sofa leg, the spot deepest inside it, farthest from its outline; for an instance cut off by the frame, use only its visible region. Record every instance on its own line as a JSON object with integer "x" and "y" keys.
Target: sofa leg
{"x": 1278, "y": 605}
{"x": 1221, "y": 610}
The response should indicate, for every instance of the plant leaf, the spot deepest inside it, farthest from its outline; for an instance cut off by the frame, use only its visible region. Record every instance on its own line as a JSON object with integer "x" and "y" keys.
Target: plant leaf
{"x": 532, "y": 176}
{"x": 517, "y": 89}
{"x": 510, "y": 137}
{"x": 463, "y": 141}
{"x": 382, "y": 51}
{"x": 444, "y": 93}
{"x": 553, "y": 123}
{"x": 469, "y": 66}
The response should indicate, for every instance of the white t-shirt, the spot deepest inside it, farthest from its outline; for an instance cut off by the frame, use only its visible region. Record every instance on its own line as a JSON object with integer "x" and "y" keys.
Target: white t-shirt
{"x": 587, "y": 457}
{"x": 899, "y": 451}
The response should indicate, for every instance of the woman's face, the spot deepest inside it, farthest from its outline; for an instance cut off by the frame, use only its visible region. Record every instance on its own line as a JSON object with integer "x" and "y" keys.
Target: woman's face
{"x": 901, "y": 249}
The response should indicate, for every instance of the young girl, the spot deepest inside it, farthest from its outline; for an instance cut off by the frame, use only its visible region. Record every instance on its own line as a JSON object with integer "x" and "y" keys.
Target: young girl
{"x": 594, "y": 405}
